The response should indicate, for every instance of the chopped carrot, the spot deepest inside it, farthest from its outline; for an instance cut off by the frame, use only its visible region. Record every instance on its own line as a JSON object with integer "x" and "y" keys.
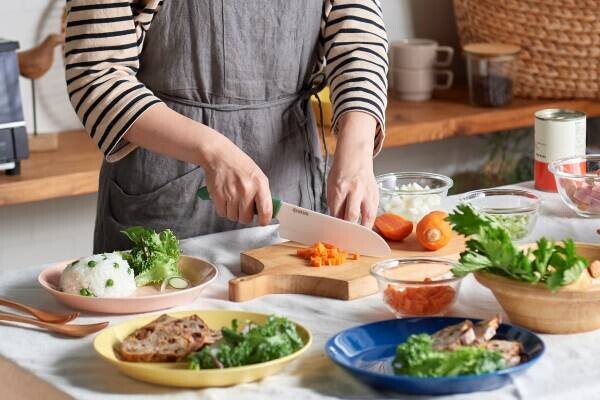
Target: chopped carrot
{"x": 304, "y": 253}
{"x": 426, "y": 300}
{"x": 320, "y": 254}
{"x": 393, "y": 227}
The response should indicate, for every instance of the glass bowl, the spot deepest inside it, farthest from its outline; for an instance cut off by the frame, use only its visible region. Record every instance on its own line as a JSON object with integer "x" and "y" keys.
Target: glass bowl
{"x": 412, "y": 195}
{"x": 417, "y": 286}
{"x": 578, "y": 183}
{"x": 515, "y": 209}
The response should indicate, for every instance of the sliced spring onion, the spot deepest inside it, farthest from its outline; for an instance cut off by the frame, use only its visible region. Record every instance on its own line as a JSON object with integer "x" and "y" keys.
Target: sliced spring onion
{"x": 178, "y": 282}
{"x": 163, "y": 285}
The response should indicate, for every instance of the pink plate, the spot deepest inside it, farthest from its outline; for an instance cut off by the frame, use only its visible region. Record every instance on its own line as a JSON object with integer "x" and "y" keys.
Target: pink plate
{"x": 198, "y": 272}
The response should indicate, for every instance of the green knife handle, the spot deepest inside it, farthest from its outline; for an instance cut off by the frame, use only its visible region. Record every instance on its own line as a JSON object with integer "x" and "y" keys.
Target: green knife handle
{"x": 204, "y": 195}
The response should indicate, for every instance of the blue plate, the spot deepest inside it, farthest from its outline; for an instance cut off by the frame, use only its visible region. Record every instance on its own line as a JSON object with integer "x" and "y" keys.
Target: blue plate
{"x": 367, "y": 351}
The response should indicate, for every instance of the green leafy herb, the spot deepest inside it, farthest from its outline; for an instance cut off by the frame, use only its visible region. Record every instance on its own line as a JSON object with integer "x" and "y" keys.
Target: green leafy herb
{"x": 153, "y": 256}
{"x": 254, "y": 344}
{"x": 490, "y": 248}
{"x": 116, "y": 265}
{"x": 416, "y": 357}
{"x": 109, "y": 283}
{"x": 91, "y": 263}
{"x": 86, "y": 292}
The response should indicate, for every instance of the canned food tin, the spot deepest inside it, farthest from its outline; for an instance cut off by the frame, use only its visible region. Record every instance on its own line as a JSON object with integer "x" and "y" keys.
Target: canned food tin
{"x": 558, "y": 133}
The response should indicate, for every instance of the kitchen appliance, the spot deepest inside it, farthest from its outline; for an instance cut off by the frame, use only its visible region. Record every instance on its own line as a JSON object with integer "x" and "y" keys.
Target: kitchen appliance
{"x": 13, "y": 135}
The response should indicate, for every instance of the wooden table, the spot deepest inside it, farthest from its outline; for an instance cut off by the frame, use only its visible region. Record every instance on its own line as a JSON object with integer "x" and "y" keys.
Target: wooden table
{"x": 73, "y": 169}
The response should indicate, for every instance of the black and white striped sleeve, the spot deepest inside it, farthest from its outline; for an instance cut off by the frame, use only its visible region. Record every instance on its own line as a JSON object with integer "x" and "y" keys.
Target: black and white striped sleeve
{"x": 353, "y": 46}
{"x": 102, "y": 46}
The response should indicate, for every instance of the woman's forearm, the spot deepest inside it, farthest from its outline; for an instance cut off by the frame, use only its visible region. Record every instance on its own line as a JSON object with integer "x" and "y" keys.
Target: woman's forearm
{"x": 165, "y": 131}
{"x": 356, "y": 134}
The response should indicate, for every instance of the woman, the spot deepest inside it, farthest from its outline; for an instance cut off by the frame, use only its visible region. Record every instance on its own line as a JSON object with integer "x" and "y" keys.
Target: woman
{"x": 182, "y": 93}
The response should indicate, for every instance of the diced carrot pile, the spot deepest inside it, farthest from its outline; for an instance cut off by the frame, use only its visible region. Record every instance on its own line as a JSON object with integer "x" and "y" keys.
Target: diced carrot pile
{"x": 321, "y": 254}
{"x": 426, "y": 300}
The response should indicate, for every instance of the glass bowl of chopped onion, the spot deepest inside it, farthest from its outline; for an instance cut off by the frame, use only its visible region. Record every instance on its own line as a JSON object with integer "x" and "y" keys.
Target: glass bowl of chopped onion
{"x": 417, "y": 286}
{"x": 515, "y": 209}
{"x": 412, "y": 195}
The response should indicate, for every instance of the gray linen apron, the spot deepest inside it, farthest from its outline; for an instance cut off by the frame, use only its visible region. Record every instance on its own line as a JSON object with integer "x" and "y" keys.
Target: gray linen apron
{"x": 243, "y": 68}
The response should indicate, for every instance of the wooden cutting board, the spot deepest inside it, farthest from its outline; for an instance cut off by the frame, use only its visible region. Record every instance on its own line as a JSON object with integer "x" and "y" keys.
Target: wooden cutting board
{"x": 277, "y": 269}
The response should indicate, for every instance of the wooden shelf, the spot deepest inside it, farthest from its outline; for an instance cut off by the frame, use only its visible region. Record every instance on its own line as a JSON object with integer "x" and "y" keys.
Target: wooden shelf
{"x": 71, "y": 170}
{"x": 449, "y": 114}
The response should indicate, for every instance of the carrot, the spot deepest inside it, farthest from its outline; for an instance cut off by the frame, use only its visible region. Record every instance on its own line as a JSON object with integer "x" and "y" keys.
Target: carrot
{"x": 426, "y": 300}
{"x": 393, "y": 227}
{"x": 320, "y": 254}
{"x": 433, "y": 231}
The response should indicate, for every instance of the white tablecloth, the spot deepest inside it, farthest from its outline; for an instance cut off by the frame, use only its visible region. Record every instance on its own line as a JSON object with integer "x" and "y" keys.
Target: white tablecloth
{"x": 570, "y": 368}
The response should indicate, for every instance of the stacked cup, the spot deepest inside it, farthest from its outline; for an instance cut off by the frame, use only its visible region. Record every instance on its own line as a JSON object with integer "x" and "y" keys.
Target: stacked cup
{"x": 412, "y": 73}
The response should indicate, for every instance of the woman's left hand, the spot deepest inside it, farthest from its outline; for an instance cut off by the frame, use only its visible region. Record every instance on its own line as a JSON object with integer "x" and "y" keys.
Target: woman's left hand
{"x": 351, "y": 188}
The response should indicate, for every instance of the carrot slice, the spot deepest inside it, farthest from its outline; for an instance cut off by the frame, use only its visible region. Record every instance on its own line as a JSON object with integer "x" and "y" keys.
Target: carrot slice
{"x": 393, "y": 227}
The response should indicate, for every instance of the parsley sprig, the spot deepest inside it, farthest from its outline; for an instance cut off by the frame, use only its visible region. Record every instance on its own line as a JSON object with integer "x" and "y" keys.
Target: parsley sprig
{"x": 489, "y": 248}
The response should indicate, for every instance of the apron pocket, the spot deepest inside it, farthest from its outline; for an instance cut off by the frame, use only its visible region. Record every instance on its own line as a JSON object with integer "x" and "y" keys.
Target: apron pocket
{"x": 169, "y": 207}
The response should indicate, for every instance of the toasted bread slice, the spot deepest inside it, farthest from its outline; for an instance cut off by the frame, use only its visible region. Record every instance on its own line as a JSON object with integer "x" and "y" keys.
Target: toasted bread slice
{"x": 166, "y": 339}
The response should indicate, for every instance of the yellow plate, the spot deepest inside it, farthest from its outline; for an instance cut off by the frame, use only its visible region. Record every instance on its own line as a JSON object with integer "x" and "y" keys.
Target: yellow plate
{"x": 177, "y": 374}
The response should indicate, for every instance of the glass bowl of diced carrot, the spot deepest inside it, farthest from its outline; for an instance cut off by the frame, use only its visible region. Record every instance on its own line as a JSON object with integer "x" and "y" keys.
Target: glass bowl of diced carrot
{"x": 417, "y": 286}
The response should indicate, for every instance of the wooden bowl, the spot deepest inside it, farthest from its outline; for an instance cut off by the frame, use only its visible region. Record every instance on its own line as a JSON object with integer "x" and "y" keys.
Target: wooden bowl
{"x": 573, "y": 308}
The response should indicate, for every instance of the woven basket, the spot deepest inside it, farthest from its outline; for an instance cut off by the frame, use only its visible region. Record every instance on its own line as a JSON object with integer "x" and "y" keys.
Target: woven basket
{"x": 560, "y": 42}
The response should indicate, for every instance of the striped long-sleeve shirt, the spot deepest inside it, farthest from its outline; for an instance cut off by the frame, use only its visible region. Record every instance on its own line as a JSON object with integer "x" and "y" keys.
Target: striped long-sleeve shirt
{"x": 104, "y": 40}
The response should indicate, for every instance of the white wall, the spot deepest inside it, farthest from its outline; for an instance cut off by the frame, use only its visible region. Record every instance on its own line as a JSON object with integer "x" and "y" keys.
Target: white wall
{"x": 60, "y": 229}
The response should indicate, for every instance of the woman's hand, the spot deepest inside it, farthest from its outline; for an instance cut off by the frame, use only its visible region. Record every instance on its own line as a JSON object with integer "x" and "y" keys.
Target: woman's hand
{"x": 236, "y": 184}
{"x": 351, "y": 187}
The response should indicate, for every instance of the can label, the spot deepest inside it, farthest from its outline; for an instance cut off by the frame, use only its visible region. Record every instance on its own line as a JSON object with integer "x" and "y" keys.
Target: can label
{"x": 558, "y": 134}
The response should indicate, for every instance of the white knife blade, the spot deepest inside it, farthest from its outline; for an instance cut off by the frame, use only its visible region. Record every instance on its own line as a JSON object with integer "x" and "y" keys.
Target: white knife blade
{"x": 307, "y": 227}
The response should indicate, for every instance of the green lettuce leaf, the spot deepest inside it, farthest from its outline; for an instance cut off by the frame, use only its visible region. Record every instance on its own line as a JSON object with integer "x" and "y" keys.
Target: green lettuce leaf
{"x": 153, "y": 256}
{"x": 276, "y": 338}
{"x": 416, "y": 357}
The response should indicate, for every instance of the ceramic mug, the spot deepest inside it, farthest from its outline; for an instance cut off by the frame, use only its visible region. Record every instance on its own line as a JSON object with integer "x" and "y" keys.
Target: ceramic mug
{"x": 417, "y": 84}
{"x": 419, "y": 53}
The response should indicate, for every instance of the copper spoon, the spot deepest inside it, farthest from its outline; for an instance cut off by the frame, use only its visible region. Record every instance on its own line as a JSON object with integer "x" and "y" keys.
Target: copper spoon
{"x": 68, "y": 330}
{"x": 39, "y": 314}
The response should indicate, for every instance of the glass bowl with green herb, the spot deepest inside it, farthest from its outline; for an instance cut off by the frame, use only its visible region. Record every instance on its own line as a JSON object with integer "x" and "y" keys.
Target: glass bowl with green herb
{"x": 516, "y": 210}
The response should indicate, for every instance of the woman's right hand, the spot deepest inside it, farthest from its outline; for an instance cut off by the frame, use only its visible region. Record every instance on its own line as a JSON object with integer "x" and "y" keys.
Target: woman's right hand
{"x": 236, "y": 184}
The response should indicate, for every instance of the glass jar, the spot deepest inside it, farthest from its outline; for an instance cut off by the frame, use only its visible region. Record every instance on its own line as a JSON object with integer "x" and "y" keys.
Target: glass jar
{"x": 490, "y": 73}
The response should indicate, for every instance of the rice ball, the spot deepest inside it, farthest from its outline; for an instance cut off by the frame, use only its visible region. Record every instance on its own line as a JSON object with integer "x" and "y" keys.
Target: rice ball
{"x": 100, "y": 275}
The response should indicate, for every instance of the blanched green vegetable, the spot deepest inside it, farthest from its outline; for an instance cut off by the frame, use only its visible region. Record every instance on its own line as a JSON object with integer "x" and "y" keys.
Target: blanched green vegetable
{"x": 490, "y": 248}
{"x": 154, "y": 256}
{"x": 416, "y": 357}
{"x": 254, "y": 344}
{"x": 516, "y": 225}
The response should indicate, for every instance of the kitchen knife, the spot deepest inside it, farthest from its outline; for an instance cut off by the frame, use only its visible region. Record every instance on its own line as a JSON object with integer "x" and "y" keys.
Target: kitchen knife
{"x": 307, "y": 227}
